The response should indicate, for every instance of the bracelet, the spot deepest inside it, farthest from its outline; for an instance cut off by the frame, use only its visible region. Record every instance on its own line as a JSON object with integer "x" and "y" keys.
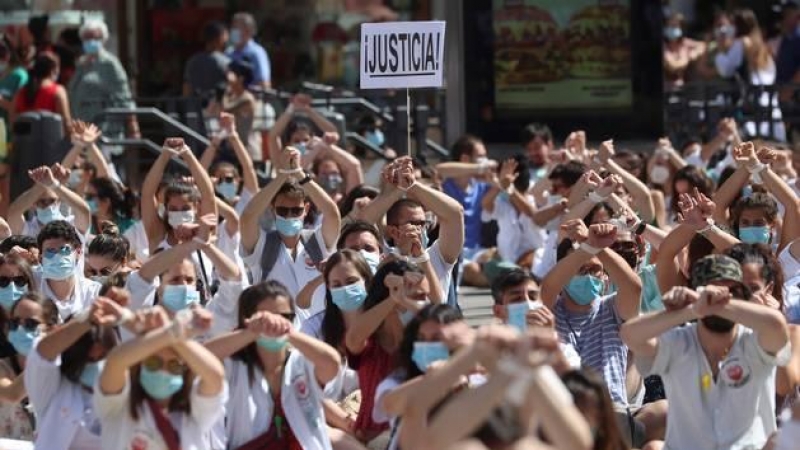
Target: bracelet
{"x": 711, "y": 225}
{"x": 756, "y": 168}
{"x": 290, "y": 171}
{"x": 305, "y": 180}
{"x": 421, "y": 259}
{"x": 640, "y": 228}
{"x": 596, "y": 198}
{"x": 589, "y": 249}
{"x": 200, "y": 241}
{"x": 126, "y": 316}
{"x": 176, "y": 330}
{"x": 54, "y": 186}
{"x": 407, "y": 189}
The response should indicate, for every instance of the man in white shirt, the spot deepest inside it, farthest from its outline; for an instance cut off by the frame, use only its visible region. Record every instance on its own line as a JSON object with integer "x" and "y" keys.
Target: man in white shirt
{"x": 719, "y": 373}
{"x": 289, "y": 194}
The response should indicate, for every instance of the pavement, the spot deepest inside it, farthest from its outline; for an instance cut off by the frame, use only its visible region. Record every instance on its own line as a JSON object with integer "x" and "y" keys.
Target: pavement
{"x": 476, "y": 305}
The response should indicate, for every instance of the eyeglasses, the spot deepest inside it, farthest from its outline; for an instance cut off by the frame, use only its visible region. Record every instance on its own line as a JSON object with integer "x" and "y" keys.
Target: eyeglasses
{"x": 288, "y": 316}
{"x": 29, "y": 324}
{"x": 63, "y": 250}
{"x": 172, "y": 366}
{"x": 418, "y": 223}
{"x": 18, "y": 281}
{"x": 285, "y": 211}
{"x": 105, "y": 271}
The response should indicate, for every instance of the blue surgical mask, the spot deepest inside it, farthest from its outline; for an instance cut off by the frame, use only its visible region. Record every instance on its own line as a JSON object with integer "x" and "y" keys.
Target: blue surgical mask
{"x": 10, "y": 294}
{"x": 375, "y": 138}
{"x": 22, "y": 340}
{"x": 350, "y": 297}
{"x": 92, "y": 46}
{"x": 272, "y": 344}
{"x": 58, "y": 267}
{"x": 373, "y": 260}
{"x": 179, "y": 297}
{"x": 755, "y": 235}
{"x": 227, "y": 189}
{"x": 584, "y": 289}
{"x": 331, "y": 183}
{"x": 236, "y": 36}
{"x": 158, "y": 384}
{"x": 672, "y": 33}
{"x": 49, "y": 214}
{"x": 517, "y": 315}
{"x": 427, "y": 353}
{"x": 408, "y": 315}
{"x": 288, "y": 226}
{"x": 75, "y": 178}
{"x": 425, "y": 239}
{"x": 301, "y": 147}
{"x": 92, "y": 205}
{"x": 725, "y": 31}
{"x": 90, "y": 372}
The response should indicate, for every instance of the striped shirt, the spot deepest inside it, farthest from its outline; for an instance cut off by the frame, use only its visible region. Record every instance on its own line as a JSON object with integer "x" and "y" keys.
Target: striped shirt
{"x": 595, "y": 335}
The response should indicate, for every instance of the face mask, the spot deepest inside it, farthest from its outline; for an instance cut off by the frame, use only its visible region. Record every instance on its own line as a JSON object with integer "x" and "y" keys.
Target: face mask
{"x": 375, "y": 138}
{"x": 49, "y": 214}
{"x": 659, "y": 174}
{"x": 517, "y": 313}
{"x": 92, "y": 46}
{"x": 554, "y": 199}
{"x": 373, "y": 260}
{"x": 161, "y": 211}
{"x": 406, "y": 317}
{"x": 672, "y": 33}
{"x": 160, "y": 385}
{"x": 288, "y": 227}
{"x": 481, "y": 160}
{"x": 350, "y": 297}
{"x": 10, "y": 294}
{"x": 22, "y": 340}
{"x": 424, "y": 238}
{"x": 179, "y": 297}
{"x": 747, "y": 191}
{"x": 90, "y": 373}
{"x": 301, "y": 147}
{"x": 236, "y": 36}
{"x": 755, "y": 235}
{"x": 227, "y": 190}
{"x": 75, "y": 178}
{"x": 584, "y": 289}
{"x": 725, "y": 31}
{"x": 58, "y": 267}
{"x": 272, "y": 344}
{"x": 716, "y": 324}
{"x": 427, "y": 353}
{"x": 100, "y": 279}
{"x": 177, "y": 218}
{"x": 331, "y": 183}
{"x": 92, "y": 205}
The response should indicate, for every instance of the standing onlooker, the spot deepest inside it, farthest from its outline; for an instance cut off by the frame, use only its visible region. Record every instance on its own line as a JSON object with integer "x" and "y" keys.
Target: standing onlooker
{"x": 243, "y": 29}
{"x": 100, "y": 81}
{"x": 13, "y": 77}
{"x": 206, "y": 70}
{"x": 43, "y": 93}
{"x": 786, "y": 47}
{"x": 679, "y": 51}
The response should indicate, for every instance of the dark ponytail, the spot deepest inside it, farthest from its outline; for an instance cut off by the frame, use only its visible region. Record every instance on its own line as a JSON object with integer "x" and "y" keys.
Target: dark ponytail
{"x": 44, "y": 65}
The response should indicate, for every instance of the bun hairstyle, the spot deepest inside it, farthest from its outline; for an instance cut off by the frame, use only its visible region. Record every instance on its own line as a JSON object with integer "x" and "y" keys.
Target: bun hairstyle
{"x": 109, "y": 228}
{"x": 110, "y": 243}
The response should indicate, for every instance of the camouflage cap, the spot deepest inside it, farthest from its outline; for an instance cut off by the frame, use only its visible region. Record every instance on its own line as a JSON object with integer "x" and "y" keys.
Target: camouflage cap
{"x": 715, "y": 268}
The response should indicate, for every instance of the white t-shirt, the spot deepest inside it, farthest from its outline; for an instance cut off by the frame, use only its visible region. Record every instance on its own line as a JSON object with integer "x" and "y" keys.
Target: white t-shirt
{"x": 442, "y": 269}
{"x": 292, "y": 273}
{"x": 517, "y": 234}
{"x": 83, "y": 295}
{"x": 137, "y": 236}
{"x": 120, "y": 431}
{"x": 736, "y": 411}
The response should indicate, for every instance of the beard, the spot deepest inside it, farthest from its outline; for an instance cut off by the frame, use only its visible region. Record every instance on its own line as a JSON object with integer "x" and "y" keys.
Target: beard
{"x": 716, "y": 324}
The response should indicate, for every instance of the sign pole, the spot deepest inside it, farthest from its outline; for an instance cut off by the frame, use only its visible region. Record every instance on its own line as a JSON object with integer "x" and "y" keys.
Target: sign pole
{"x": 408, "y": 120}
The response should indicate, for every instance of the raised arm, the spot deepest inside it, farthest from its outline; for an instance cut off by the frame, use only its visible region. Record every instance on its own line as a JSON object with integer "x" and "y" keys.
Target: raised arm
{"x": 203, "y": 364}
{"x": 326, "y": 359}
{"x": 163, "y": 260}
{"x": 249, "y": 177}
{"x": 229, "y": 217}
{"x": 641, "y": 333}
{"x": 331, "y": 218}
{"x": 629, "y": 285}
{"x": 376, "y": 209}
{"x": 366, "y": 324}
{"x": 16, "y": 211}
{"x": 153, "y": 224}
{"x": 668, "y": 270}
{"x": 768, "y": 323}
{"x": 207, "y": 195}
{"x": 351, "y": 166}
{"x": 46, "y": 177}
{"x": 638, "y": 190}
{"x": 224, "y": 266}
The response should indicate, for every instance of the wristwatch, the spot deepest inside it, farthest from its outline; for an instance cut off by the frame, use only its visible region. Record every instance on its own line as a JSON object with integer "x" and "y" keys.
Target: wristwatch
{"x": 640, "y": 229}
{"x": 305, "y": 179}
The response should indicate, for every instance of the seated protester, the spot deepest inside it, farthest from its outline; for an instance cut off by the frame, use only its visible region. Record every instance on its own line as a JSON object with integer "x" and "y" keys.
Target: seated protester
{"x": 61, "y": 375}
{"x": 369, "y": 126}
{"x": 421, "y": 348}
{"x": 685, "y": 181}
{"x": 107, "y": 254}
{"x": 289, "y": 131}
{"x": 364, "y": 238}
{"x": 557, "y": 187}
{"x": 640, "y": 199}
{"x": 47, "y": 195}
{"x": 587, "y": 316}
{"x": 537, "y": 141}
{"x": 407, "y": 221}
{"x": 517, "y": 304}
{"x": 354, "y": 202}
{"x": 289, "y": 253}
{"x": 16, "y": 279}
{"x": 23, "y": 246}
{"x": 282, "y": 383}
{"x": 161, "y": 390}
{"x": 236, "y": 190}
{"x": 337, "y": 171}
{"x": 183, "y": 203}
{"x": 467, "y": 180}
{"x": 509, "y": 204}
{"x": 733, "y": 349}
{"x": 109, "y": 201}
{"x": 501, "y": 409}
{"x": 61, "y": 254}
{"x": 30, "y": 317}
{"x": 590, "y": 394}
{"x": 229, "y": 239}
{"x": 373, "y": 339}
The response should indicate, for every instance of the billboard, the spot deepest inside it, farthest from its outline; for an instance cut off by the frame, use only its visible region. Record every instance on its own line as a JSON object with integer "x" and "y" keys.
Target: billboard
{"x": 562, "y": 54}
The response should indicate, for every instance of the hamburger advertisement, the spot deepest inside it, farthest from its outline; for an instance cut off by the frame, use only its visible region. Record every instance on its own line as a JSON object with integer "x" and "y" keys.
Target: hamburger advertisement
{"x": 562, "y": 54}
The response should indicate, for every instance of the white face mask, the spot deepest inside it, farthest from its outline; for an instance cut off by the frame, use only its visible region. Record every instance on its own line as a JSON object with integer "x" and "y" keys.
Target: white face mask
{"x": 177, "y": 218}
{"x": 659, "y": 174}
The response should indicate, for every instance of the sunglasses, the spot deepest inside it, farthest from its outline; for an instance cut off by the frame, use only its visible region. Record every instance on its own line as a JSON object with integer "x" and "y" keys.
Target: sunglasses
{"x": 288, "y": 316}
{"x": 104, "y": 272}
{"x": 227, "y": 179}
{"x": 419, "y": 223}
{"x": 172, "y": 366}
{"x": 45, "y": 202}
{"x": 51, "y": 252}
{"x": 28, "y": 324}
{"x": 18, "y": 281}
{"x": 285, "y": 211}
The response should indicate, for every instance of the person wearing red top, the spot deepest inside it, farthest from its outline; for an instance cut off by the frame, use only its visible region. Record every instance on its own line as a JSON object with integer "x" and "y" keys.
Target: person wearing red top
{"x": 43, "y": 93}
{"x": 374, "y": 338}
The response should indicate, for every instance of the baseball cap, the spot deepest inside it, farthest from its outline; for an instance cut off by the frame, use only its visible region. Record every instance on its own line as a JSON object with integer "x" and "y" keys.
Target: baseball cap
{"x": 715, "y": 268}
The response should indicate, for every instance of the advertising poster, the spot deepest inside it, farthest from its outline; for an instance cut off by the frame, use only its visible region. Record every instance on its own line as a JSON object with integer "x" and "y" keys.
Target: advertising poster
{"x": 562, "y": 54}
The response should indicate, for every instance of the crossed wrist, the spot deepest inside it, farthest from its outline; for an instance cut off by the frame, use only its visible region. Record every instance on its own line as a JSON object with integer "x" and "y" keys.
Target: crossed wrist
{"x": 709, "y": 226}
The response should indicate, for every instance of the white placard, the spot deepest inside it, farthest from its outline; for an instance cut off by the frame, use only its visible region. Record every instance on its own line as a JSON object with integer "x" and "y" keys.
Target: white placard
{"x": 402, "y": 54}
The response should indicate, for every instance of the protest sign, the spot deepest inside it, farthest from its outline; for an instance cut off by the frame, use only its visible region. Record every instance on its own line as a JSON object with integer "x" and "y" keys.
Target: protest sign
{"x": 402, "y": 55}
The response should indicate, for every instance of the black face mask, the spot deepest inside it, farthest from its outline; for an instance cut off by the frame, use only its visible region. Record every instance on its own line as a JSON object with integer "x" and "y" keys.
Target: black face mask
{"x": 717, "y": 324}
